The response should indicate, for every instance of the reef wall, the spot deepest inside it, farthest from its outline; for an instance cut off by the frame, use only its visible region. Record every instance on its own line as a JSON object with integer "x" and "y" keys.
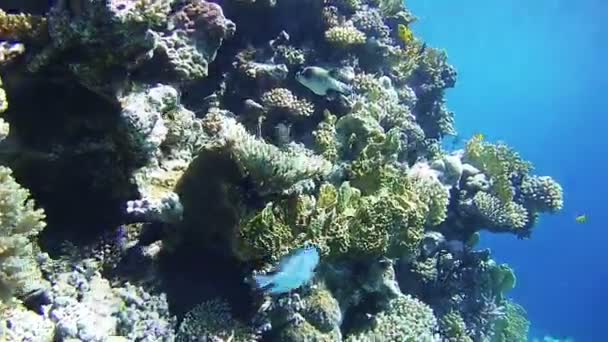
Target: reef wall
{"x": 171, "y": 148}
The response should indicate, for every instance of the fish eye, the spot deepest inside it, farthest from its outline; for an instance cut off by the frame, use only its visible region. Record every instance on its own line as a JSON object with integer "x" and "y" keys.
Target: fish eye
{"x": 307, "y": 72}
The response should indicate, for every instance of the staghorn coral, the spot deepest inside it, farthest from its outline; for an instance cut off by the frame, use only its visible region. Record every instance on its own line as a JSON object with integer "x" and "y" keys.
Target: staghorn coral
{"x": 344, "y": 36}
{"x": 283, "y": 100}
{"x": 22, "y": 27}
{"x": 542, "y": 194}
{"x": 212, "y": 321}
{"x": 20, "y": 223}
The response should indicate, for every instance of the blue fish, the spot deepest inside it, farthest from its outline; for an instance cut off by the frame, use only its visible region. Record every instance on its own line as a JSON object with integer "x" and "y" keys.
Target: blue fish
{"x": 292, "y": 272}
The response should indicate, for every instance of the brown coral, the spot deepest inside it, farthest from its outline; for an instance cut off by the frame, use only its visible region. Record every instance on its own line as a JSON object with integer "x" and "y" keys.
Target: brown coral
{"x": 22, "y": 27}
{"x": 200, "y": 17}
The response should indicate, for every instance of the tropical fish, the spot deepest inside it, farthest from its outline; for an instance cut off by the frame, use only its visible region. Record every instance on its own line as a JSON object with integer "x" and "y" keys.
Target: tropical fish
{"x": 581, "y": 219}
{"x": 320, "y": 81}
{"x": 479, "y": 137}
{"x": 405, "y": 34}
{"x": 292, "y": 272}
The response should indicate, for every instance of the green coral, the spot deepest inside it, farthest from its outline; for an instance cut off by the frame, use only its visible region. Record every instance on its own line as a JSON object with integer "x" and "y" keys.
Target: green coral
{"x": 264, "y": 234}
{"x": 212, "y": 321}
{"x": 499, "y": 162}
{"x": 389, "y": 223}
{"x": 20, "y": 223}
{"x": 406, "y": 319}
{"x": 453, "y": 328}
{"x": 514, "y": 327}
{"x": 435, "y": 196}
{"x": 322, "y": 310}
{"x": 501, "y": 279}
{"x": 542, "y": 193}
{"x": 305, "y": 331}
{"x": 325, "y": 136}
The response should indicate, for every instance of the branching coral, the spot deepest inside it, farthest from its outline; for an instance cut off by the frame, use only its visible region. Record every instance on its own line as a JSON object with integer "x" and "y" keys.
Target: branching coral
{"x": 283, "y": 100}
{"x": 542, "y": 194}
{"x": 405, "y": 319}
{"x": 22, "y": 27}
{"x": 500, "y": 216}
{"x": 212, "y": 321}
{"x": 345, "y": 36}
{"x": 497, "y": 161}
{"x": 20, "y": 223}
{"x": 326, "y": 138}
{"x": 453, "y": 328}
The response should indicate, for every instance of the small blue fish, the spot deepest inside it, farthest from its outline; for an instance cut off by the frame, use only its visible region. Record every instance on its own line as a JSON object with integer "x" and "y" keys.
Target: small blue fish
{"x": 292, "y": 272}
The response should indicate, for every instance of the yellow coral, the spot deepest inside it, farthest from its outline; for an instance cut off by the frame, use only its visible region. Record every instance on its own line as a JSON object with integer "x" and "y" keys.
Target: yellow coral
{"x": 345, "y": 36}
{"x": 22, "y": 26}
{"x": 326, "y": 138}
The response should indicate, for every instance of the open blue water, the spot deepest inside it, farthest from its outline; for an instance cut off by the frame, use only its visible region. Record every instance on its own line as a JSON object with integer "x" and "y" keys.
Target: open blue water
{"x": 535, "y": 74}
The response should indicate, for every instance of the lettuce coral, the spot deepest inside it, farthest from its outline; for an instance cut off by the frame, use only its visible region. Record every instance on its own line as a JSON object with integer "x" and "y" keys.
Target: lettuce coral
{"x": 20, "y": 223}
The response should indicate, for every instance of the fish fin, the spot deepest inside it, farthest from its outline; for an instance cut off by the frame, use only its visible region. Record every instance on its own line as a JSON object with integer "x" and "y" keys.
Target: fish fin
{"x": 263, "y": 282}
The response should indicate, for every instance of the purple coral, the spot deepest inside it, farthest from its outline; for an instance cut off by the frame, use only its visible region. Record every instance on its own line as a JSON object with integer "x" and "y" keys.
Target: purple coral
{"x": 204, "y": 18}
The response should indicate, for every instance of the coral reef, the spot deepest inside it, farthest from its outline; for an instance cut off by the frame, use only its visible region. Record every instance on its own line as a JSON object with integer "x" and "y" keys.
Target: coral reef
{"x": 248, "y": 174}
{"x": 20, "y": 223}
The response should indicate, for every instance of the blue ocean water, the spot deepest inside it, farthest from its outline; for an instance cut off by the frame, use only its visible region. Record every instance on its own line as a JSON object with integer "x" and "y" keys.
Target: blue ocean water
{"x": 535, "y": 75}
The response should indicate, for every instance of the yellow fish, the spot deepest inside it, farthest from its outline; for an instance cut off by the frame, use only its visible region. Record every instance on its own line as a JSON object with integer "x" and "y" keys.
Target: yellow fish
{"x": 479, "y": 136}
{"x": 405, "y": 34}
{"x": 581, "y": 219}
